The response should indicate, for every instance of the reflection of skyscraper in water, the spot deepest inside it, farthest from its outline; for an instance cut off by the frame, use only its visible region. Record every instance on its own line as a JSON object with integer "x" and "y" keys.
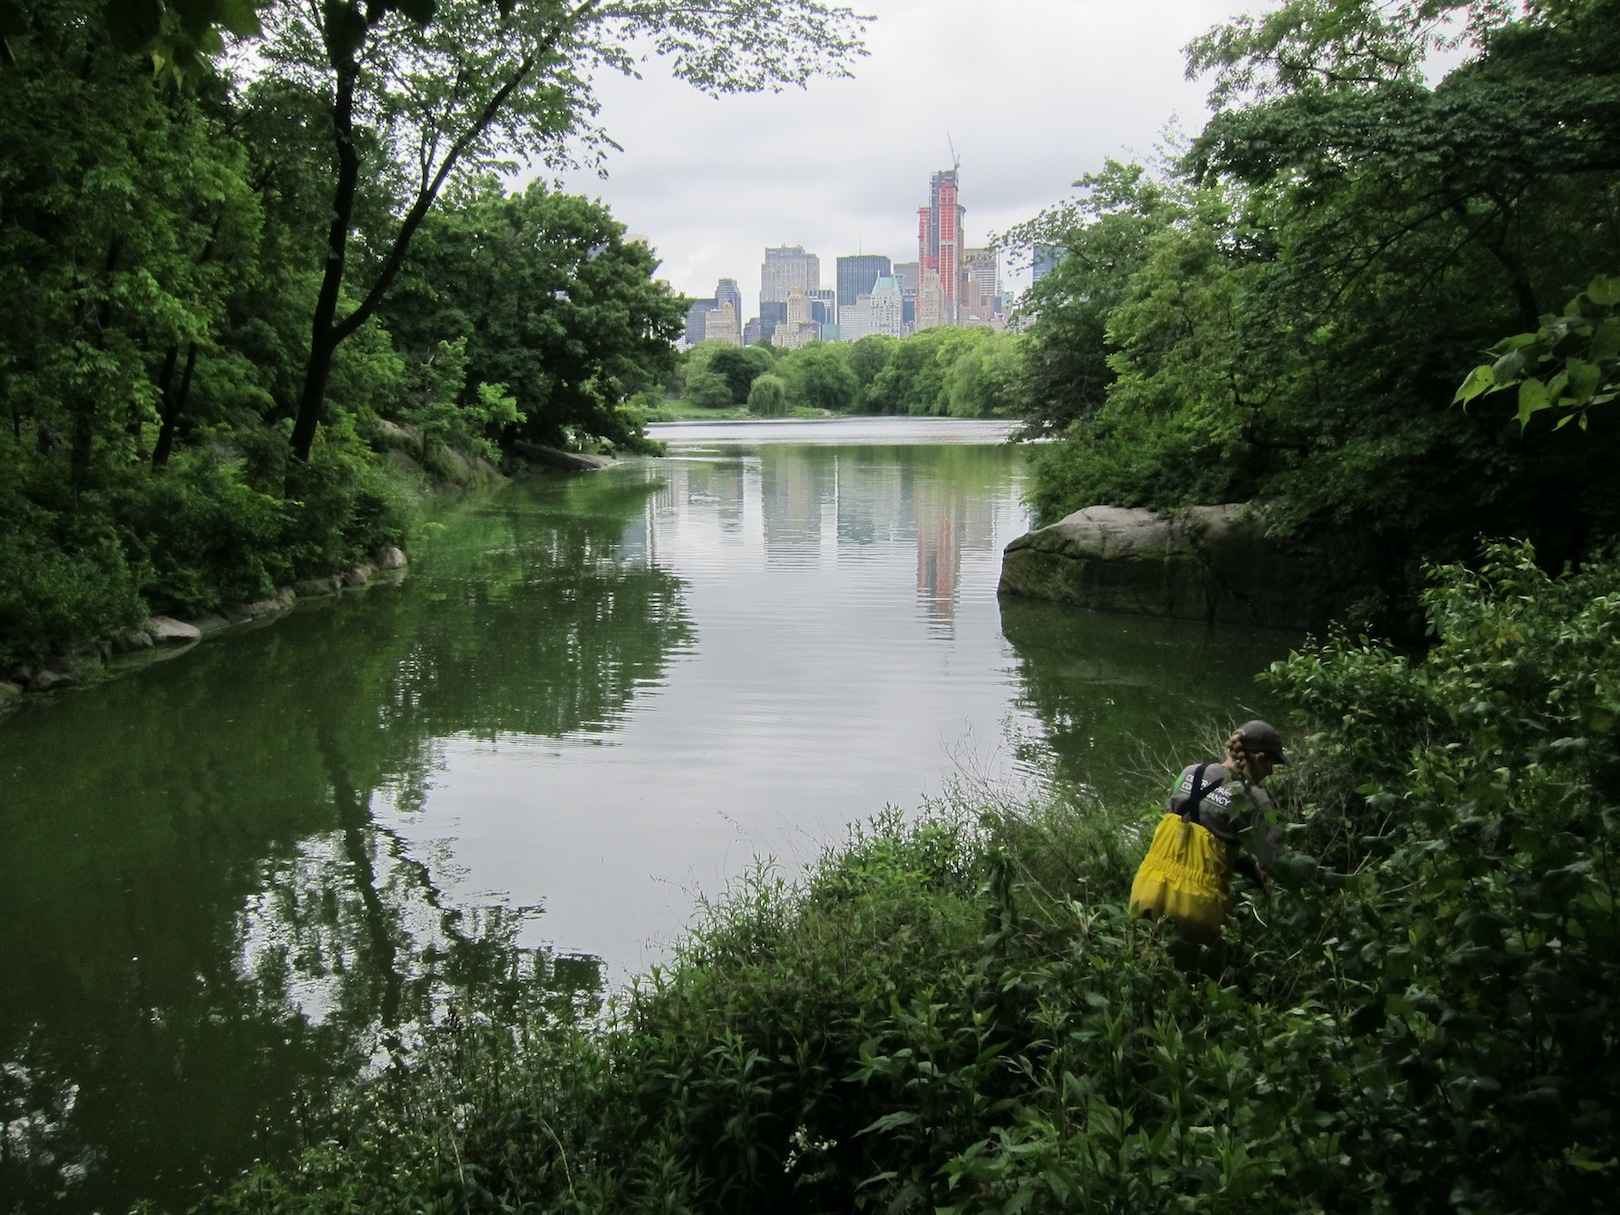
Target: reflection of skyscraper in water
{"x": 637, "y": 542}
{"x": 794, "y": 483}
{"x": 939, "y": 558}
{"x": 714, "y": 489}
{"x": 872, "y": 498}
{"x": 728, "y": 495}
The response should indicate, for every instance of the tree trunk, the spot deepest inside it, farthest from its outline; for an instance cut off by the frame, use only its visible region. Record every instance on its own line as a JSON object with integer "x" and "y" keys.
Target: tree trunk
{"x": 174, "y": 404}
{"x": 323, "y": 338}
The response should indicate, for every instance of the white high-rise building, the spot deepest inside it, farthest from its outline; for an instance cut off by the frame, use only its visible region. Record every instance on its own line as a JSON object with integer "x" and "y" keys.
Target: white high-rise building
{"x": 787, "y": 267}
{"x": 720, "y": 325}
{"x": 879, "y": 312}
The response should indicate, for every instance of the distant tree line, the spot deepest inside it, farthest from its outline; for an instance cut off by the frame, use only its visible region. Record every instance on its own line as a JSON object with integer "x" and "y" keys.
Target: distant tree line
{"x": 221, "y": 276}
{"x": 958, "y": 372}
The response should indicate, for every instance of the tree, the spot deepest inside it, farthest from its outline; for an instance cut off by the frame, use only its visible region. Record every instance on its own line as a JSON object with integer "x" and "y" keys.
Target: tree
{"x": 767, "y": 398}
{"x": 1287, "y": 311}
{"x": 867, "y": 357}
{"x": 471, "y": 88}
{"x": 1101, "y": 239}
{"x": 118, "y": 189}
{"x": 818, "y": 377}
{"x": 740, "y": 367}
{"x": 708, "y": 389}
{"x": 546, "y": 298}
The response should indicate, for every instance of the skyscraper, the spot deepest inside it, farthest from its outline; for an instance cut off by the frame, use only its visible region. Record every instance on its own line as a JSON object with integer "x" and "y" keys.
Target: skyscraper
{"x": 939, "y": 237}
{"x": 980, "y": 295}
{"x": 858, "y": 274}
{"x": 787, "y": 267}
{"x": 726, "y": 289}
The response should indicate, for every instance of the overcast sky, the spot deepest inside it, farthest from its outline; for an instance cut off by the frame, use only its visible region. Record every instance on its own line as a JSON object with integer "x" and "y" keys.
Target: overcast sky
{"x": 1032, "y": 93}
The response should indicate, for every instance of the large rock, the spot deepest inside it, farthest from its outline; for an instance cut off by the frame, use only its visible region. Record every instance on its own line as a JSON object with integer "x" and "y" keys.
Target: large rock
{"x": 1209, "y": 563}
{"x": 241, "y": 613}
{"x": 127, "y": 641}
{"x": 311, "y": 588}
{"x": 165, "y": 630}
{"x": 52, "y": 677}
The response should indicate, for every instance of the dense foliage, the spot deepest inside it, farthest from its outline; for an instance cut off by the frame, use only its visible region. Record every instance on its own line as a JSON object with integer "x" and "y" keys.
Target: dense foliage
{"x": 226, "y": 285}
{"x": 958, "y": 372}
{"x": 1286, "y": 308}
{"x": 956, "y": 1014}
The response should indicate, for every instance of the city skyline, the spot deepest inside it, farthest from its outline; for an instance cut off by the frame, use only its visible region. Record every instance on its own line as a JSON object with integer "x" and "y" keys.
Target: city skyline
{"x": 950, "y": 283}
{"x": 1044, "y": 91}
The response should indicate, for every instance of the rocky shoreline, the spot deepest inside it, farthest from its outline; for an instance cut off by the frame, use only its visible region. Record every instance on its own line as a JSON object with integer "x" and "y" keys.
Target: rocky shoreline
{"x": 167, "y": 633}
{"x": 1213, "y": 564}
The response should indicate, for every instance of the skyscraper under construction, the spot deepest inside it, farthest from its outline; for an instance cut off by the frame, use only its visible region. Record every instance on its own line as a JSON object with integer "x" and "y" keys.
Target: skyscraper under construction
{"x": 939, "y": 238}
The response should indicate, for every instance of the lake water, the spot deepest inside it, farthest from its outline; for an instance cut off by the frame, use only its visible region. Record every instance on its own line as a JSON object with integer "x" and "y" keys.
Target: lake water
{"x": 228, "y": 876}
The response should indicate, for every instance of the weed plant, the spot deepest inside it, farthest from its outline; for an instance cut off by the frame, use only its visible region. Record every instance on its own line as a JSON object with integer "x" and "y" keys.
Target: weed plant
{"x": 953, "y": 1012}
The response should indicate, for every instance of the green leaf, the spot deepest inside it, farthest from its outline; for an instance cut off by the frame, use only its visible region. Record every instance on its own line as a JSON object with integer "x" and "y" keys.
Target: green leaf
{"x": 241, "y": 17}
{"x": 1605, "y": 290}
{"x": 1509, "y": 367}
{"x": 888, "y": 1122}
{"x": 1606, "y": 341}
{"x": 1532, "y": 400}
{"x": 1584, "y": 378}
{"x": 1480, "y": 379}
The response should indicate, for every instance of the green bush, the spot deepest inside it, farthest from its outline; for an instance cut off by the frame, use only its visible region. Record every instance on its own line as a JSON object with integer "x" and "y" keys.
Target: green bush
{"x": 767, "y": 398}
{"x": 341, "y": 507}
{"x": 63, "y": 581}
{"x": 199, "y": 532}
{"x": 211, "y": 528}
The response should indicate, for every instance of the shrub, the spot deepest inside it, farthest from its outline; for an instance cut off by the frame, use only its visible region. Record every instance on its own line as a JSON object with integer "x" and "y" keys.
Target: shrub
{"x": 199, "y": 532}
{"x": 66, "y": 580}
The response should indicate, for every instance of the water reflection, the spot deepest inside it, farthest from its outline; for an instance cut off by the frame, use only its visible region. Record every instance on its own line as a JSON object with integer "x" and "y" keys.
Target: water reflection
{"x": 1122, "y": 698}
{"x": 811, "y": 505}
{"x": 211, "y": 911}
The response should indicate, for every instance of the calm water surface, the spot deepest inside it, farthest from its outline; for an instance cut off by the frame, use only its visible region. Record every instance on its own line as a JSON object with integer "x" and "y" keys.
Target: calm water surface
{"x": 226, "y": 877}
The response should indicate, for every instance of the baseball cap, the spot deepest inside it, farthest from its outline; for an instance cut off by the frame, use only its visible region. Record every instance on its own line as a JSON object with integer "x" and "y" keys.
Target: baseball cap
{"x": 1262, "y": 736}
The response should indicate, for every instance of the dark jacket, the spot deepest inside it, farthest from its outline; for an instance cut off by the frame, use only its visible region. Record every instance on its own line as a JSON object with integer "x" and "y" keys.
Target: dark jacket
{"x": 1234, "y": 812}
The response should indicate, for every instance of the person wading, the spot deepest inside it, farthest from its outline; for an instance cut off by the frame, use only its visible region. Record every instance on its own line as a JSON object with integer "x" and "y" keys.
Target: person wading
{"x": 1216, "y": 822}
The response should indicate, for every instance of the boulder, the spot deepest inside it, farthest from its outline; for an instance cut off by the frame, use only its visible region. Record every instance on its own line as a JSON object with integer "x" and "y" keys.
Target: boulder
{"x": 240, "y": 613}
{"x": 128, "y": 640}
{"x": 1212, "y": 563}
{"x": 316, "y": 586}
{"x": 9, "y": 692}
{"x": 358, "y": 575}
{"x": 391, "y": 559}
{"x": 51, "y": 677}
{"x": 165, "y": 630}
{"x": 398, "y": 435}
{"x": 210, "y": 623}
{"x": 400, "y": 462}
